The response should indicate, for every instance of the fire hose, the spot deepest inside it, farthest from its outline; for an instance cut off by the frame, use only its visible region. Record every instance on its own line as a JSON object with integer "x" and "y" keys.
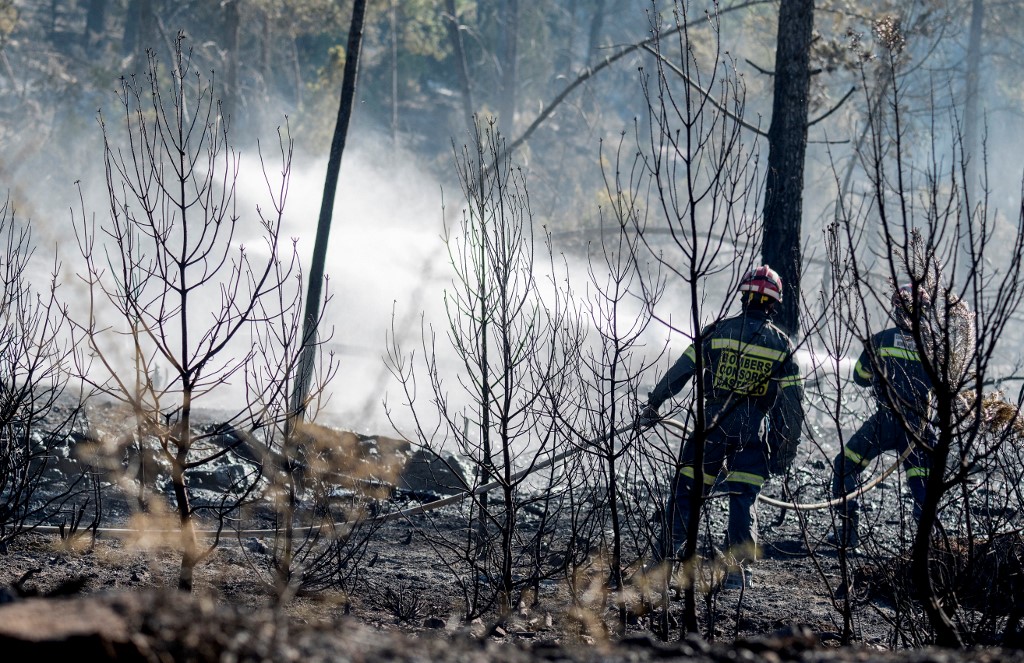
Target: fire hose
{"x": 495, "y": 484}
{"x": 671, "y": 423}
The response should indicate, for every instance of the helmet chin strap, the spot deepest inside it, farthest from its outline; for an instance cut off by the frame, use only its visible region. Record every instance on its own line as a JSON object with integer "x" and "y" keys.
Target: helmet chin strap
{"x": 755, "y": 300}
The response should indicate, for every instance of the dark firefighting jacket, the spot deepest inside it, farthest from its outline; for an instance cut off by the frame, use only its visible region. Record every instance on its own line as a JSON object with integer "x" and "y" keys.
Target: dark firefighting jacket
{"x": 891, "y": 366}
{"x": 749, "y": 373}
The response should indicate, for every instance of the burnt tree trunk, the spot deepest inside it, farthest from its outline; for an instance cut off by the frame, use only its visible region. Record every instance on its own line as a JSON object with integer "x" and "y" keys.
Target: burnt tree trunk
{"x": 453, "y": 25}
{"x": 596, "y": 29}
{"x": 972, "y": 153}
{"x": 946, "y": 632}
{"x": 393, "y": 30}
{"x": 509, "y": 66}
{"x": 311, "y": 318}
{"x": 787, "y": 145}
{"x": 139, "y": 31}
{"x": 95, "y": 23}
{"x": 232, "y": 25}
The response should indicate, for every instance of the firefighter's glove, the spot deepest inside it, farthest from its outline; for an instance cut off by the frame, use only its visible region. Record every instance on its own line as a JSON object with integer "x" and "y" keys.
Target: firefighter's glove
{"x": 648, "y": 418}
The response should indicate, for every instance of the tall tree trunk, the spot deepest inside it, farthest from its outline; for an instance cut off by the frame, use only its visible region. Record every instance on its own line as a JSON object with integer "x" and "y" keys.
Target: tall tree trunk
{"x": 393, "y": 23}
{"x": 596, "y": 26}
{"x": 564, "y": 24}
{"x": 787, "y": 146}
{"x": 139, "y": 31}
{"x": 461, "y": 64}
{"x": 509, "y": 67}
{"x": 314, "y": 292}
{"x": 971, "y": 134}
{"x": 266, "y": 44}
{"x": 971, "y": 117}
{"x": 232, "y": 24}
{"x": 95, "y": 23}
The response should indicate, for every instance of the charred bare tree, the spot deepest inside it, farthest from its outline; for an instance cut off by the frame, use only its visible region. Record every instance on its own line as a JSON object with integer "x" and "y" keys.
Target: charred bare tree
{"x": 319, "y": 486}
{"x": 702, "y": 234}
{"x": 35, "y": 413}
{"x": 624, "y": 292}
{"x": 167, "y": 273}
{"x": 515, "y": 348}
{"x": 957, "y": 333}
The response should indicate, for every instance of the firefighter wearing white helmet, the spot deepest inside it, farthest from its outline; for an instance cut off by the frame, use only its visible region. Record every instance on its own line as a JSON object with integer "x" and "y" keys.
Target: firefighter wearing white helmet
{"x": 891, "y": 365}
{"x": 750, "y": 378}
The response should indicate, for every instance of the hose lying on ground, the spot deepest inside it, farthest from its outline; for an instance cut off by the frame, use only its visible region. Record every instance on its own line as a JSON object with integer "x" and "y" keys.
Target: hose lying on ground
{"x": 493, "y": 485}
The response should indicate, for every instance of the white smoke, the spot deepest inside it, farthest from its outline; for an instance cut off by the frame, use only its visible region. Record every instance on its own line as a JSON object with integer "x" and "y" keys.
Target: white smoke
{"x": 383, "y": 258}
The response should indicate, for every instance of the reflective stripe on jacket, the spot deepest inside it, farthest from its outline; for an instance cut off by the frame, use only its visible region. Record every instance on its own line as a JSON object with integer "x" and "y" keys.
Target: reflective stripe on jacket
{"x": 748, "y": 363}
{"x": 891, "y": 366}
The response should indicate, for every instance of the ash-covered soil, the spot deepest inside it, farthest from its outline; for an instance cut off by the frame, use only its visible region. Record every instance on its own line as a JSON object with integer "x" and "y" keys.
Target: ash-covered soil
{"x": 119, "y": 602}
{"x": 404, "y": 598}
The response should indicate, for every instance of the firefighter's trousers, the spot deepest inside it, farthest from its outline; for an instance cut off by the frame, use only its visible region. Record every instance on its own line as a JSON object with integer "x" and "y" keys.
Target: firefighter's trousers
{"x": 883, "y": 431}
{"x": 745, "y": 461}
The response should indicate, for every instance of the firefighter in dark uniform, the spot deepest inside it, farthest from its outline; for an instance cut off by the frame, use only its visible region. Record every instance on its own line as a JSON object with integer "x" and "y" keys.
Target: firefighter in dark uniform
{"x": 891, "y": 365}
{"x": 750, "y": 378}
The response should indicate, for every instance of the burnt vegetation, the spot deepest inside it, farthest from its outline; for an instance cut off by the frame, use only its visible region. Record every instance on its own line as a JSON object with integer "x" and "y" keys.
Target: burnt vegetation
{"x": 525, "y": 495}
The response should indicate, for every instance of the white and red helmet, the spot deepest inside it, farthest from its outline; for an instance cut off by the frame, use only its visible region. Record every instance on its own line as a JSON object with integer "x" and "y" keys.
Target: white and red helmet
{"x": 762, "y": 280}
